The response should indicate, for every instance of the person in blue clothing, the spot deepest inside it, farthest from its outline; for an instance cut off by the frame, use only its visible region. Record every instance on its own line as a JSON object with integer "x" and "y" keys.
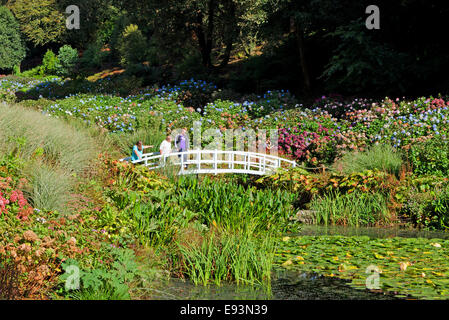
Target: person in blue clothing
{"x": 138, "y": 151}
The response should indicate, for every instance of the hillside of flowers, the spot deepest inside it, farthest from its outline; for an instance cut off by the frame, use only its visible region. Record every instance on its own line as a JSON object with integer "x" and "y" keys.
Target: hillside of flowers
{"x": 315, "y": 133}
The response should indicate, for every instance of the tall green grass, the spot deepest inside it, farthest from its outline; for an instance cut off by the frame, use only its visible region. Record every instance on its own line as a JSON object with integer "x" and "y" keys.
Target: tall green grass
{"x": 233, "y": 257}
{"x": 50, "y": 187}
{"x": 61, "y": 145}
{"x": 51, "y": 150}
{"x": 353, "y": 209}
{"x": 381, "y": 156}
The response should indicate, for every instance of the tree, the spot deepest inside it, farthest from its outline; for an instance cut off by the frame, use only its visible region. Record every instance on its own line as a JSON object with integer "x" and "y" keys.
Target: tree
{"x": 212, "y": 27}
{"x": 12, "y": 49}
{"x": 40, "y": 20}
{"x": 95, "y": 21}
{"x": 132, "y": 46}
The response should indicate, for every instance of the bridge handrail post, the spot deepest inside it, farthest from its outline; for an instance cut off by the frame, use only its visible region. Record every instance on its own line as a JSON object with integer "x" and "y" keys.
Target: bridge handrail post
{"x": 182, "y": 161}
{"x": 215, "y": 161}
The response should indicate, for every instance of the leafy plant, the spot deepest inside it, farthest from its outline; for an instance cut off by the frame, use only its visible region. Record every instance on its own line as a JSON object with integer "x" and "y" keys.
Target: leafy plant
{"x": 67, "y": 61}
{"x": 132, "y": 46}
{"x": 354, "y": 209}
{"x": 430, "y": 157}
{"x": 106, "y": 283}
{"x": 50, "y": 64}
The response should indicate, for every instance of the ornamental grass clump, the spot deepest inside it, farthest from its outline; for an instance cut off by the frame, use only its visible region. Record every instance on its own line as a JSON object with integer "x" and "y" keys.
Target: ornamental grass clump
{"x": 353, "y": 209}
{"x": 232, "y": 257}
{"x": 380, "y": 156}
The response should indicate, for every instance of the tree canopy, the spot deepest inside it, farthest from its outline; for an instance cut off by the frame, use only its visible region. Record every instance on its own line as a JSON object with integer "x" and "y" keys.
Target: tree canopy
{"x": 307, "y": 45}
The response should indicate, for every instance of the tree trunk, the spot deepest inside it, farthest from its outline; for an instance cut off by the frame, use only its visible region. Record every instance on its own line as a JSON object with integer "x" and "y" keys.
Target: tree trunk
{"x": 210, "y": 32}
{"x": 230, "y": 35}
{"x": 201, "y": 39}
{"x": 298, "y": 32}
{"x": 205, "y": 40}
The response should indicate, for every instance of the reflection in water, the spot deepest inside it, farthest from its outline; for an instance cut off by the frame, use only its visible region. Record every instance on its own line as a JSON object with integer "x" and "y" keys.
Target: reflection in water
{"x": 372, "y": 232}
{"x": 286, "y": 285}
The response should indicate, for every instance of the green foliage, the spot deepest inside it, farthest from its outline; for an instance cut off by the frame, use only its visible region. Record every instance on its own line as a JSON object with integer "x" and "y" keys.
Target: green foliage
{"x": 360, "y": 63}
{"x": 50, "y": 189}
{"x": 430, "y": 157}
{"x": 106, "y": 282}
{"x": 40, "y": 20}
{"x": 33, "y": 72}
{"x": 353, "y": 209}
{"x": 228, "y": 257}
{"x": 12, "y": 50}
{"x": 235, "y": 207}
{"x": 52, "y": 150}
{"x": 50, "y": 63}
{"x": 94, "y": 56}
{"x": 426, "y": 204}
{"x": 151, "y": 136}
{"x": 378, "y": 157}
{"x": 132, "y": 46}
{"x": 67, "y": 61}
{"x": 307, "y": 185}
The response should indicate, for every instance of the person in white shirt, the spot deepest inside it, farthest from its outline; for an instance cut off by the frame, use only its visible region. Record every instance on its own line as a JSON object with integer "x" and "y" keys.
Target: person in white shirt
{"x": 165, "y": 147}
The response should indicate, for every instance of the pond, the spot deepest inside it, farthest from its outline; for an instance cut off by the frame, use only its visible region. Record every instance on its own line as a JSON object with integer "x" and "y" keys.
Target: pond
{"x": 293, "y": 285}
{"x": 296, "y": 285}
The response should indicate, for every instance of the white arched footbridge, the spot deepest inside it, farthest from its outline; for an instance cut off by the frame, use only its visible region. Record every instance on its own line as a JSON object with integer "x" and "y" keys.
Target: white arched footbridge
{"x": 216, "y": 161}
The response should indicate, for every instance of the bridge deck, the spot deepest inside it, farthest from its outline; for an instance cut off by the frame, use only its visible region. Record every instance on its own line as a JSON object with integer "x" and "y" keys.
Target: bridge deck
{"x": 216, "y": 161}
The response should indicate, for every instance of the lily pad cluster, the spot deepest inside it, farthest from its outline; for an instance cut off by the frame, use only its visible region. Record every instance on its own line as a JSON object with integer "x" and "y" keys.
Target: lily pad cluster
{"x": 407, "y": 267}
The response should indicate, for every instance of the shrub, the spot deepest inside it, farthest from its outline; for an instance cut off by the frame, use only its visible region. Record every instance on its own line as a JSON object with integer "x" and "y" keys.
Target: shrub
{"x": 430, "y": 157}
{"x": 34, "y": 72}
{"x": 132, "y": 46}
{"x": 378, "y": 157}
{"x": 52, "y": 149}
{"x": 50, "y": 189}
{"x": 312, "y": 147}
{"x": 49, "y": 63}
{"x": 68, "y": 58}
{"x": 12, "y": 49}
{"x": 94, "y": 56}
{"x": 60, "y": 144}
{"x": 428, "y": 208}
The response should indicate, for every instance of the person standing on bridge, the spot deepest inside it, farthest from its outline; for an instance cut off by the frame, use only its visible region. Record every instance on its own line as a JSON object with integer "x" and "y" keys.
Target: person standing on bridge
{"x": 181, "y": 144}
{"x": 137, "y": 152}
{"x": 165, "y": 147}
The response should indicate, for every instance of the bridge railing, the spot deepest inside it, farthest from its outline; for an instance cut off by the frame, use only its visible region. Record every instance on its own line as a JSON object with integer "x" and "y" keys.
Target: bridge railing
{"x": 216, "y": 161}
